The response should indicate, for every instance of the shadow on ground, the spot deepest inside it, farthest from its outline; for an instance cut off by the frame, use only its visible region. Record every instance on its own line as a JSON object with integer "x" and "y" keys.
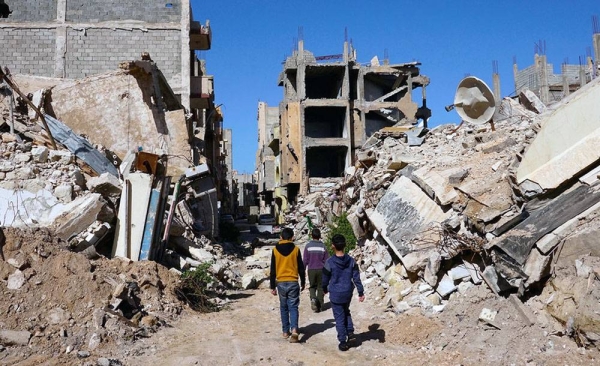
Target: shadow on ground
{"x": 374, "y": 333}
{"x": 315, "y": 328}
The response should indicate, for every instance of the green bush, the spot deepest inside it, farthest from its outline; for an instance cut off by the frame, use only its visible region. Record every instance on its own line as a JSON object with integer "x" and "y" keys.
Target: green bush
{"x": 193, "y": 288}
{"x": 342, "y": 226}
{"x": 229, "y": 232}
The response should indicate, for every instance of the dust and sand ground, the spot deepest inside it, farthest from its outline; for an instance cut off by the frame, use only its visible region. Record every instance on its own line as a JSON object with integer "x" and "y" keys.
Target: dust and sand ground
{"x": 248, "y": 333}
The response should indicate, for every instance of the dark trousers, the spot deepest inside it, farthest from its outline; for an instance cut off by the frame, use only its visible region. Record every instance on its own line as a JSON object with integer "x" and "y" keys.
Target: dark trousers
{"x": 343, "y": 320}
{"x": 315, "y": 278}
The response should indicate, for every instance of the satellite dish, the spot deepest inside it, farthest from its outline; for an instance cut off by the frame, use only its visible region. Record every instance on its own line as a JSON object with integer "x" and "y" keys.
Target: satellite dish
{"x": 474, "y": 101}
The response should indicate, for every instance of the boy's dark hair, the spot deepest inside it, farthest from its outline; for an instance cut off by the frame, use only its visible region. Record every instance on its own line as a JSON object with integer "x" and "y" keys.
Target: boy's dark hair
{"x": 338, "y": 241}
{"x": 315, "y": 233}
{"x": 287, "y": 233}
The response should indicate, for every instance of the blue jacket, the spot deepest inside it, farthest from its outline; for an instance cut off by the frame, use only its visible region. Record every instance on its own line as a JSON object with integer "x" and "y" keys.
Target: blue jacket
{"x": 340, "y": 276}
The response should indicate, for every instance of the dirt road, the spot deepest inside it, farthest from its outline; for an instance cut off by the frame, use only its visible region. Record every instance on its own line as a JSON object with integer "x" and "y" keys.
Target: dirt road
{"x": 250, "y": 333}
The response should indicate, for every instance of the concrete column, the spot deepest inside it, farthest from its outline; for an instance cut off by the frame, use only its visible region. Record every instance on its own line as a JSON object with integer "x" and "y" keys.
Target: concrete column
{"x": 543, "y": 78}
{"x": 346, "y": 81}
{"x": 596, "y": 41}
{"x": 60, "y": 69}
{"x": 186, "y": 54}
{"x": 565, "y": 82}
{"x": 496, "y": 81}
{"x": 582, "y": 77}
{"x": 301, "y": 74}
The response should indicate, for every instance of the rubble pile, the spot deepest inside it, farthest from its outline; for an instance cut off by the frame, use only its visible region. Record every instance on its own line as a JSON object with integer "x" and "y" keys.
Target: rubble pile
{"x": 436, "y": 217}
{"x": 61, "y": 305}
{"x": 73, "y": 282}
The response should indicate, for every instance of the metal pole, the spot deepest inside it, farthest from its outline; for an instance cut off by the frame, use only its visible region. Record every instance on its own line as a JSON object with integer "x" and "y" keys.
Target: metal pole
{"x": 24, "y": 97}
{"x": 12, "y": 116}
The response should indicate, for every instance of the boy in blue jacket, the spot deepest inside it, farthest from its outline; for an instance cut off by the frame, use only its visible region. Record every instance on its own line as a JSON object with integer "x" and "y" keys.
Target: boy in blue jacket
{"x": 340, "y": 276}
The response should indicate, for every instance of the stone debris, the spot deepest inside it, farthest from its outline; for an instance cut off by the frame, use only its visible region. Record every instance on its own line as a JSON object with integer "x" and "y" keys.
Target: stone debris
{"x": 454, "y": 212}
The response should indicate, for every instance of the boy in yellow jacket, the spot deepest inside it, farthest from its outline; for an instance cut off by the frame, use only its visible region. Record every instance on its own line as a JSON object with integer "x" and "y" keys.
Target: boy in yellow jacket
{"x": 286, "y": 268}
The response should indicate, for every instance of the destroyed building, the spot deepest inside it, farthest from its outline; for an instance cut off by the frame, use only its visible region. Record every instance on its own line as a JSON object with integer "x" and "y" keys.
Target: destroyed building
{"x": 245, "y": 192}
{"x": 80, "y": 63}
{"x": 267, "y": 156}
{"x": 331, "y": 106}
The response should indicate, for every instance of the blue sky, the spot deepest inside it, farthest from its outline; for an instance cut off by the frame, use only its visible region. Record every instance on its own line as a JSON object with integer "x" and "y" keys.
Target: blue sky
{"x": 451, "y": 39}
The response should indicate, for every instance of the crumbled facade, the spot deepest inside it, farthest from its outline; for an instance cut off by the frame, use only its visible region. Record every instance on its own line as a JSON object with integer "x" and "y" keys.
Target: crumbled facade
{"x": 330, "y": 108}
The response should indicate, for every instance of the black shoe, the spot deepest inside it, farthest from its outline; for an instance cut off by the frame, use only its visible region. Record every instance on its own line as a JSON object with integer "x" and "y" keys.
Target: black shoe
{"x": 313, "y": 305}
{"x": 343, "y": 347}
{"x": 351, "y": 337}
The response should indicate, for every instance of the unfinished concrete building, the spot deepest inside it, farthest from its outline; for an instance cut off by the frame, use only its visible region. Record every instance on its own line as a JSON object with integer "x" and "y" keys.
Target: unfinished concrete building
{"x": 332, "y": 105}
{"x": 550, "y": 87}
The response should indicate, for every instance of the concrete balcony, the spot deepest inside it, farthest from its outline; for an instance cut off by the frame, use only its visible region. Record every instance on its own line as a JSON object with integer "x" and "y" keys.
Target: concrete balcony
{"x": 202, "y": 93}
{"x": 200, "y": 36}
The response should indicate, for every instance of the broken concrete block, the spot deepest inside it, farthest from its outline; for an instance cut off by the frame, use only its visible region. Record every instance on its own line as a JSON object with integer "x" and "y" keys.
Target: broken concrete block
{"x": 21, "y": 174}
{"x": 434, "y": 184}
{"x": 459, "y": 272}
{"x": 463, "y": 287}
{"x": 22, "y": 158}
{"x": 106, "y": 184}
{"x": 445, "y": 286}
{"x": 531, "y": 101}
{"x": 582, "y": 269}
{"x": 81, "y": 213}
{"x": 254, "y": 278}
{"x": 530, "y": 189}
{"x": 19, "y": 261}
{"x": 7, "y": 166}
{"x": 438, "y": 308}
{"x": 94, "y": 342}
{"x": 474, "y": 272}
{"x": 7, "y": 137}
{"x": 497, "y": 145}
{"x": 591, "y": 177}
{"x": 547, "y": 243}
{"x": 415, "y": 261}
{"x": 432, "y": 268}
{"x": 14, "y": 337}
{"x": 496, "y": 166}
{"x": 488, "y": 315}
{"x": 58, "y": 316}
{"x": 394, "y": 274}
{"x": 368, "y": 157}
{"x": 576, "y": 245}
{"x": 62, "y": 156}
{"x": 523, "y": 311}
{"x": 495, "y": 282}
{"x": 434, "y": 298}
{"x": 98, "y": 319}
{"x": 401, "y": 307}
{"x": 64, "y": 193}
{"x": 16, "y": 280}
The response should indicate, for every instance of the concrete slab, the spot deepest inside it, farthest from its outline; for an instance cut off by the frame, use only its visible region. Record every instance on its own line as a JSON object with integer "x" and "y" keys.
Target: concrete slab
{"x": 435, "y": 185}
{"x": 132, "y": 216}
{"x": 404, "y": 211}
{"x": 446, "y": 286}
{"x": 567, "y": 142}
